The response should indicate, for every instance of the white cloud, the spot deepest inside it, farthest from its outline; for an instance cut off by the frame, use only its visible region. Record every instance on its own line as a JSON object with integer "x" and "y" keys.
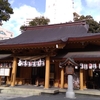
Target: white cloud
{"x": 78, "y": 6}
{"x": 24, "y": 11}
{"x": 18, "y": 18}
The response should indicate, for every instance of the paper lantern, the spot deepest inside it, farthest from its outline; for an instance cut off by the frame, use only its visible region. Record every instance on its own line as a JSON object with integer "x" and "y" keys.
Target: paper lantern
{"x": 20, "y": 63}
{"x": 42, "y": 63}
{"x": 94, "y": 66}
{"x": 90, "y": 66}
{"x": 29, "y": 63}
{"x": 99, "y": 65}
{"x": 39, "y": 63}
{"x": 10, "y": 65}
{"x": 34, "y": 63}
{"x": 81, "y": 65}
{"x": 85, "y": 66}
{"x": 25, "y": 63}
{"x": 6, "y": 65}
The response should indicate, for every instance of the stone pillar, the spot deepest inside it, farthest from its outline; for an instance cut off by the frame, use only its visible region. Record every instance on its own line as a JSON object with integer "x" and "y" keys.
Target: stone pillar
{"x": 62, "y": 77}
{"x": 70, "y": 93}
{"x": 13, "y": 74}
{"x": 81, "y": 79}
{"x": 47, "y": 72}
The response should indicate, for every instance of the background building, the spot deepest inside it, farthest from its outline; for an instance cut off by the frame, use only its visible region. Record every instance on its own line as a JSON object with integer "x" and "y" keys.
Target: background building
{"x": 5, "y": 34}
{"x": 59, "y": 11}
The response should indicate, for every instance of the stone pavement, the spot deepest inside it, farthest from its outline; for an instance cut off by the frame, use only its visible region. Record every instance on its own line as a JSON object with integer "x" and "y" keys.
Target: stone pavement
{"x": 60, "y": 96}
{"x": 93, "y": 92}
{"x": 33, "y": 90}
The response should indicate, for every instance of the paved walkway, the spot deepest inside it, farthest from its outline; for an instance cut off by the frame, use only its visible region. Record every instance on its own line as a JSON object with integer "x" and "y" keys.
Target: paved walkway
{"x": 46, "y": 97}
{"x": 93, "y": 92}
{"x": 30, "y": 89}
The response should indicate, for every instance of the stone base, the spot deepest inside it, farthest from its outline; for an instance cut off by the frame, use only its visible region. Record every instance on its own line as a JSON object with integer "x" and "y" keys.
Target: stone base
{"x": 70, "y": 95}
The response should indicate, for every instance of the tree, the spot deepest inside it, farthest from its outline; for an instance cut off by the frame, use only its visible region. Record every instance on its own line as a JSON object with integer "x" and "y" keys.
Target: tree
{"x": 37, "y": 21}
{"x": 94, "y": 26}
{"x": 5, "y": 10}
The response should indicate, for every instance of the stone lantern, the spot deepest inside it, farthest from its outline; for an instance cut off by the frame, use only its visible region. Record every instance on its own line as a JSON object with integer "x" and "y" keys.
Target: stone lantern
{"x": 69, "y": 65}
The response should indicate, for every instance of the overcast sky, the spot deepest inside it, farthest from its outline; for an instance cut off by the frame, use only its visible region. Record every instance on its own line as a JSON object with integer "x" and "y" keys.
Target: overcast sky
{"x": 32, "y": 8}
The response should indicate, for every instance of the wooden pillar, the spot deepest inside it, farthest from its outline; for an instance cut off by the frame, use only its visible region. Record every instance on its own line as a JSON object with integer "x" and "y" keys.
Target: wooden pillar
{"x": 81, "y": 79}
{"x": 7, "y": 80}
{"x": 84, "y": 78}
{"x": 56, "y": 82}
{"x": 13, "y": 74}
{"x": 62, "y": 77}
{"x": 90, "y": 72}
{"x": 47, "y": 72}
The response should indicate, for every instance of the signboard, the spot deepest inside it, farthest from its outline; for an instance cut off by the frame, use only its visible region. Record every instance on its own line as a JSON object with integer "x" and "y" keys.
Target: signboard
{"x": 4, "y": 71}
{"x": 69, "y": 70}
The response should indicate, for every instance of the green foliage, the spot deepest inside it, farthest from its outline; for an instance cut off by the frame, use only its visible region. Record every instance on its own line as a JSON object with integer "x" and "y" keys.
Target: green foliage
{"x": 38, "y": 21}
{"x": 22, "y": 27}
{"x": 5, "y": 10}
{"x": 94, "y": 26}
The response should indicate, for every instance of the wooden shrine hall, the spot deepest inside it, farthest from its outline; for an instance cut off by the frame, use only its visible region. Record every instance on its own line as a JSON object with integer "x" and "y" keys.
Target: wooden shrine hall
{"x": 34, "y": 56}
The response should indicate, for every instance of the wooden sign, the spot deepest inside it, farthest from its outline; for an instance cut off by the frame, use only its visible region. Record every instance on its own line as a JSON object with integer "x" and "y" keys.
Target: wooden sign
{"x": 69, "y": 70}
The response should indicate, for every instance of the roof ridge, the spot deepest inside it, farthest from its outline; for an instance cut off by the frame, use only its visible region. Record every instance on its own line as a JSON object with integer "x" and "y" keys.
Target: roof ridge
{"x": 55, "y": 25}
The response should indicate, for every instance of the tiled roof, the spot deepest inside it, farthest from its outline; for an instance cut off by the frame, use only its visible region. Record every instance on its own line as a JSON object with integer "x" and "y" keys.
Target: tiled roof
{"x": 49, "y": 33}
{"x": 87, "y": 54}
{"x": 2, "y": 56}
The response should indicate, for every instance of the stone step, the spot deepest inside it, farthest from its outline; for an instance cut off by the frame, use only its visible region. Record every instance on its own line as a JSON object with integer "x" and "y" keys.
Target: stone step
{"x": 21, "y": 91}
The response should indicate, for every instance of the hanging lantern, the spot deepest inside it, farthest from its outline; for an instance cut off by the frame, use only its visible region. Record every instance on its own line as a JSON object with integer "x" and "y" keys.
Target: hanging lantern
{"x": 85, "y": 66}
{"x": 10, "y": 65}
{"x": 29, "y": 63}
{"x": 90, "y": 66}
{"x": 20, "y": 63}
{"x": 34, "y": 63}
{"x": 1, "y": 64}
{"x": 99, "y": 65}
{"x": 81, "y": 65}
{"x": 42, "y": 63}
{"x": 39, "y": 63}
{"x": 25, "y": 63}
{"x": 6, "y": 65}
{"x": 94, "y": 66}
